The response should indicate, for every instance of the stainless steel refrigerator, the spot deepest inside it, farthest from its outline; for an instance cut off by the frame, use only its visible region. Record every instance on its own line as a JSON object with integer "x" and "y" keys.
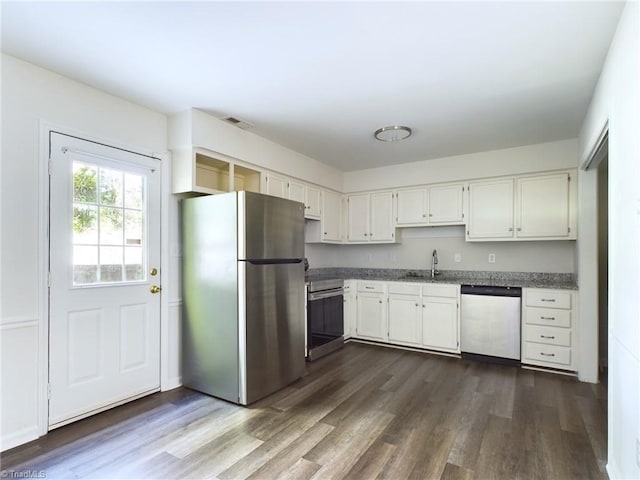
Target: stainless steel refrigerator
{"x": 243, "y": 295}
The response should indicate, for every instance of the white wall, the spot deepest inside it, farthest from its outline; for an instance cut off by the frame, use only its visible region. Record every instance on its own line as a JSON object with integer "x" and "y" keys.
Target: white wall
{"x": 29, "y": 95}
{"x": 414, "y": 252}
{"x": 508, "y": 161}
{"x": 616, "y": 100}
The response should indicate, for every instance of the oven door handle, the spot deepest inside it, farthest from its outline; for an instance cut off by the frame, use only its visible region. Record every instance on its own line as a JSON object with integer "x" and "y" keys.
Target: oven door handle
{"x": 326, "y": 294}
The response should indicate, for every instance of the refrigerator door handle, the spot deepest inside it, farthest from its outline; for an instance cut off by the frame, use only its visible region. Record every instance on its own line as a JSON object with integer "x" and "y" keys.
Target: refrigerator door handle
{"x": 274, "y": 261}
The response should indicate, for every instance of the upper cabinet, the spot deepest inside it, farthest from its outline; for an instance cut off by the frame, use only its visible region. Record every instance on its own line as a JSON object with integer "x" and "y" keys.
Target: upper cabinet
{"x": 542, "y": 206}
{"x": 200, "y": 171}
{"x": 370, "y": 218}
{"x": 411, "y": 207}
{"x": 446, "y": 205}
{"x": 331, "y": 217}
{"x": 280, "y": 186}
{"x": 430, "y": 205}
{"x": 275, "y": 185}
{"x": 533, "y": 207}
{"x": 490, "y": 209}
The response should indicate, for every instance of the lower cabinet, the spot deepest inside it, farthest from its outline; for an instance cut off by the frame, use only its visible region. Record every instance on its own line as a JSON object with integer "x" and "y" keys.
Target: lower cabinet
{"x": 371, "y": 311}
{"x": 548, "y": 326}
{"x": 405, "y": 315}
{"x": 440, "y": 323}
{"x": 349, "y": 299}
{"x": 408, "y": 314}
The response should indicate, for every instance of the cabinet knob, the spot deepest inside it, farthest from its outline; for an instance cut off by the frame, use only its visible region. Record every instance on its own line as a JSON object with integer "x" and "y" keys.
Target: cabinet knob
{"x": 519, "y": 229}
{"x": 417, "y": 305}
{"x": 424, "y": 215}
{"x": 379, "y": 301}
{"x": 366, "y": 234}
{"x": 511, "y": 229}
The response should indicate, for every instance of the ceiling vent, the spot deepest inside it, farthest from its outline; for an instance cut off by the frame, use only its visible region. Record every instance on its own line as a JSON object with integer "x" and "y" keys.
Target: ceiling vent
{"x": 237, "y": 122}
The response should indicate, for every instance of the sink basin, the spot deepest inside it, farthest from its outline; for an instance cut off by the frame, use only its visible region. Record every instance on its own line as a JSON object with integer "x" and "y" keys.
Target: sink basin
{"x": 413, "y": 276}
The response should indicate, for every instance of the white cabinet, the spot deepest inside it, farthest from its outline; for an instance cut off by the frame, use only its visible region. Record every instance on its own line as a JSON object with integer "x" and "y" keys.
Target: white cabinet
{"x": 371, "y": 318}
{"x": 358, "y": 218}
{"x": 441, "y": 317}
{"x": 411, "y": 207}
{"x": 532, "y": 207}
{"x": 370, "y": 218}
{"x": 196, "y": 170}
{"x": 329, "y": 228}
{"x": 313, "y": 199}
{"x": 542, "y": 206}
{"x": 331, "y": 217}
{"x": 445, "y": 204}
{"x": 548, "y": 326}
{"x": 303, "y": 193}
{"x": 349, "y": 310}
{"x": 490, "y": 209}
{"x": 405, "y": 314}
{"x": 275, "y": 185}
{"x": 296, "y": 191}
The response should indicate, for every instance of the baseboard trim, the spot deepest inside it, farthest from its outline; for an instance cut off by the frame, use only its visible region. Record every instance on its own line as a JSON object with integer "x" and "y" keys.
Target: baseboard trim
{"x": 18, "y": 438}
{"x": 172, "y": 383}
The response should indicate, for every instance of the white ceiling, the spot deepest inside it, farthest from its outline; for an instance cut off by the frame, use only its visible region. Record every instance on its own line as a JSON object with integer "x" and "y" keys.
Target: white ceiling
{"x": 320, "y": 77}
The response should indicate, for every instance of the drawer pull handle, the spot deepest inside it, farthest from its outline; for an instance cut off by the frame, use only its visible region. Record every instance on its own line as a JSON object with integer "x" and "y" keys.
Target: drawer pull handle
{"x": 550, "y": 337}
{"x": 369, "y": 288}
{"x": 547, "y": 354}
{"x": 547, "y": 318}
{"x": 547, "y": 299}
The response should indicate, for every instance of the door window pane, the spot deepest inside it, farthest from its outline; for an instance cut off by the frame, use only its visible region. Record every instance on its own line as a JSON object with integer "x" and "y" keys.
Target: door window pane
{"x": 109, "y": 227}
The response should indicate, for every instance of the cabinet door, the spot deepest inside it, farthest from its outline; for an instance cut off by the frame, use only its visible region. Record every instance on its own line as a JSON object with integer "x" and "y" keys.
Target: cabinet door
{"x": 491, "y": 209}
{"x": 349, "y": 314}
{"x": 370, "y": 316}
{"x": 542, "y": 206}
{"x": 296, "y": 191}
{"x": 331, "y": 220}
{"x": 358, "y": 218}
{"x": 404, "y": 319}
{"x": 411, "y": 207}
{"x": 312, "y": 202}
{"x": 381, "y": 217}
{"x": 440, "y": 323}
{"x": 275, "y": 185}
{"x": 445, "y": 204}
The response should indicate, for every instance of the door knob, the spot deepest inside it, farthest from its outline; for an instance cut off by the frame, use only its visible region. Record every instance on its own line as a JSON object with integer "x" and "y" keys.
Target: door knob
{"x": 155, "y": 289}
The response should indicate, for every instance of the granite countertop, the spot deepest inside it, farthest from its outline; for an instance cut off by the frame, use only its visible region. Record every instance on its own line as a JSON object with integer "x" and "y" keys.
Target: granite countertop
{"x": 564, "y": 281}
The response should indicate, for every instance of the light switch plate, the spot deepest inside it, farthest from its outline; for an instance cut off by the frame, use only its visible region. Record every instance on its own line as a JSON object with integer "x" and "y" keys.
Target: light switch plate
{"x": 492, "y": 258}
{"x": 457, "y": 258}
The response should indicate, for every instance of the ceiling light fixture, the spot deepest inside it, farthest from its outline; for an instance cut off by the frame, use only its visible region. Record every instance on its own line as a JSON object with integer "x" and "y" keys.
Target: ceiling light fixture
{"x": 392, "y": 133}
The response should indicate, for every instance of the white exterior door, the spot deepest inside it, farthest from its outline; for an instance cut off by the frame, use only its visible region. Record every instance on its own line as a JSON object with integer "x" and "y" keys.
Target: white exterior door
{"x": 104, "y": 306}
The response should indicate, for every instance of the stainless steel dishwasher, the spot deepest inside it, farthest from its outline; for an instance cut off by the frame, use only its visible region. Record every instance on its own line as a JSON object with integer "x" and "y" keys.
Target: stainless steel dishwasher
{"x": 490, "y": 322}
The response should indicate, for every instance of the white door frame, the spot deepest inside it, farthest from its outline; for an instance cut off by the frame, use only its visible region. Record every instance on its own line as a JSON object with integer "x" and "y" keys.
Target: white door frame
{"x": 43, "y": 260}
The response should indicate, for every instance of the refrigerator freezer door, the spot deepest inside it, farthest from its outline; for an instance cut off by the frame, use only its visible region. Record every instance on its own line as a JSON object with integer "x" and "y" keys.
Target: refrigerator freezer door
{"x": 209, "y": 287}
{"x": 269, "y": 227}
{"x": 272, "y": 335}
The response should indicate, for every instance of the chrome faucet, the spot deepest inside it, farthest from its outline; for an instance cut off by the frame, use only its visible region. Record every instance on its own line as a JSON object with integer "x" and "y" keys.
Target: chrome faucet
{"x": 434, "y": 262}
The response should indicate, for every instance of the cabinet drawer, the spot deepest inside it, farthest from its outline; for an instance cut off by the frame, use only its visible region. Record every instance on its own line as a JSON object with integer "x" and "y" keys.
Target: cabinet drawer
{"x": 371, "y": 287}
{"x": 548, "y": 299}
{"x": 348, "y": 287}
{"x": 551, "y": 354}
{"x": 547, "y": 316}
{"x": 404, "y": 288}
{"x": 548, "y": 335}
{"x": 434, "y": 290}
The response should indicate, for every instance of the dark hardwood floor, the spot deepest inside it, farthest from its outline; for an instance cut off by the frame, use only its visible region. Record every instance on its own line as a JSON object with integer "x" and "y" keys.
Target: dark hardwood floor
{"x": 364, "y": 412}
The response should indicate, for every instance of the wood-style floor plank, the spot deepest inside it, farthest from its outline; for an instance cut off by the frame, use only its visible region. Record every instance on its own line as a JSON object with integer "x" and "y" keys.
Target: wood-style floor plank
{"x": 364, "y": 412}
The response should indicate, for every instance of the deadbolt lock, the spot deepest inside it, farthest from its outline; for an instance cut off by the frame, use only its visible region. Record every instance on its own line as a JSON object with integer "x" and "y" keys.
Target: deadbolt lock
{"x": 154, "y": 272}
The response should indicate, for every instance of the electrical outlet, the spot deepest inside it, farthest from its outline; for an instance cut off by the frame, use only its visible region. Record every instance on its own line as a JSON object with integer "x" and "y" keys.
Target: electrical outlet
{"x": 492, "y": 258}
{"x": 457, "y": 258}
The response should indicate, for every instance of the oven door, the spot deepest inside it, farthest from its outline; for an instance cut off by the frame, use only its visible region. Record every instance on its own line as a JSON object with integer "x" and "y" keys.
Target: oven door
{"x": 324, "y": 318}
